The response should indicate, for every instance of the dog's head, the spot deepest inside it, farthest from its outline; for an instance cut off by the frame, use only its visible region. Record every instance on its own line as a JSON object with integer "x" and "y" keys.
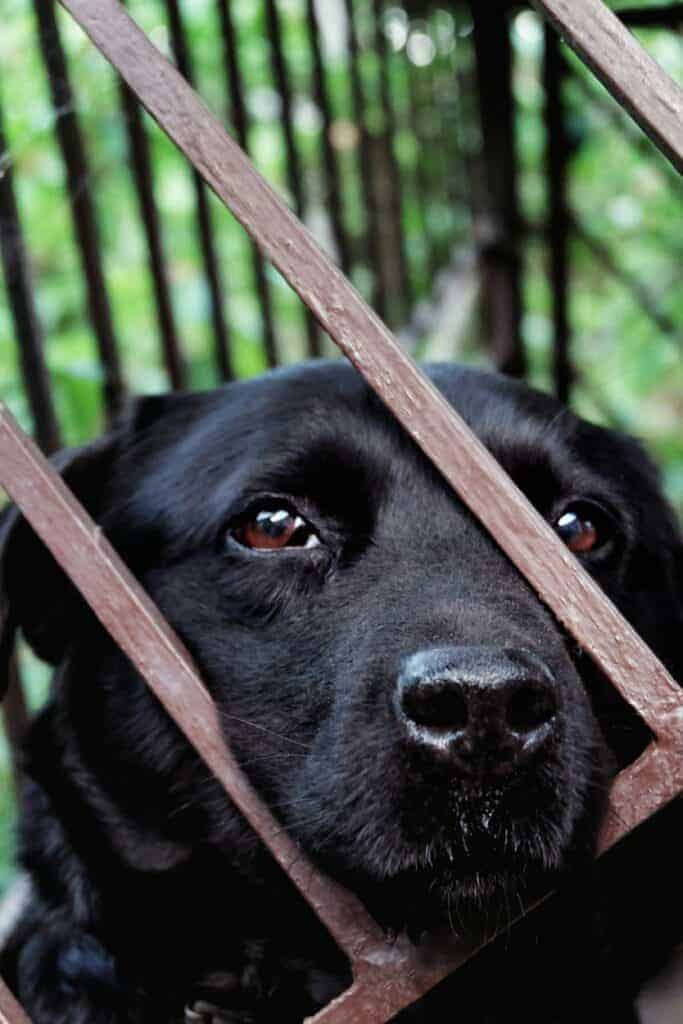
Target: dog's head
{"x": 413, "y": 713}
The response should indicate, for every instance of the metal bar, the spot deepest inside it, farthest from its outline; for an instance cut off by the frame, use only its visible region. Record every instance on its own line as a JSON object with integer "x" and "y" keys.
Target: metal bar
{"x": 666, "y": 16}
{"x": 295, "y": 177}
{"x": 423, "y": 175}
{"x": 622, "y": 123}
{"x": 389, "y": 180}
{"x": 141, "y": 163}
{"x": 207, "y": 241}
{"x": 82, "y": 208}
{"x": 499, "y": 227}
{"x": 624, "y": 67}
{"x": 559, "y": 220}
{"x": 10, "y": 1011}
{"x": 438, "y": 333}
{"x": 19, "y": 290}
{"x": 373, "y": 239}
{"x": 240, "y": 120}
{"x": 333, "y": 185}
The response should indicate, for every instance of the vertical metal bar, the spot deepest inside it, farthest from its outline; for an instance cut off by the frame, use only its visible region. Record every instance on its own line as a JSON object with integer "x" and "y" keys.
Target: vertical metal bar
{"x": 404, "y": 296}
{"x": 82, "y": 207}
{"x": 204, "y": 222}
{"x": 333, "y": 185}
{"x": 423, "y": 183}
{"x": 35, "y": 376}
{"x": 240, "y": 121}
{"x": 295, "y": 177}
{"x": 373, "y": 239}
{"x": 141, "y": 163}
{"x": 559, "y": 218}
{"x": 499, "y": 232}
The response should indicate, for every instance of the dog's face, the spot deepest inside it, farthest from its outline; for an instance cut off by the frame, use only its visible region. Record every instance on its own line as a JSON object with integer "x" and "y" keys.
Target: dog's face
{"x": 413, "y": 713}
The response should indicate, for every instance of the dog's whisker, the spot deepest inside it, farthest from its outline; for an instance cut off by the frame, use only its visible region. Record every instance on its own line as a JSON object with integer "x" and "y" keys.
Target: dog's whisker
{"x": 264, "y": 729}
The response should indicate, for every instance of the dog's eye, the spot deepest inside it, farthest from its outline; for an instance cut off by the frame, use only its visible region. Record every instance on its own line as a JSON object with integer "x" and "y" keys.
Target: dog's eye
{"x": 273, "y": 529}
{"x": 584, "y": 527}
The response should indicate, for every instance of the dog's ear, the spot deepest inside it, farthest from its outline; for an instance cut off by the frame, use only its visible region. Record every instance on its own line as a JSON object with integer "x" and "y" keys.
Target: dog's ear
{"x": 35, "y": 594}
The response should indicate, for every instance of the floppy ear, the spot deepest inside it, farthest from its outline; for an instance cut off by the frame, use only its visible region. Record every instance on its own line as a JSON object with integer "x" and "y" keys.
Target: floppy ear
{"x": 35, "y": 594}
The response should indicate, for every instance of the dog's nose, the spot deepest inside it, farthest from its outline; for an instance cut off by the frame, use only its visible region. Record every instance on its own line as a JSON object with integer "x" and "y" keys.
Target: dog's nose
{"x": 484, "y": 710}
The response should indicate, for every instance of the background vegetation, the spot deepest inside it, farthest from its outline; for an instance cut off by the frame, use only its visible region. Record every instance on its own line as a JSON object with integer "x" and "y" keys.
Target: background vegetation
{"x": 624, "y": 195}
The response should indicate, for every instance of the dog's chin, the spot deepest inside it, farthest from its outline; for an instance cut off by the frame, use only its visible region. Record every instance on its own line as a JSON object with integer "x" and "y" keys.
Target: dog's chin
{"x": 473, "y": 886}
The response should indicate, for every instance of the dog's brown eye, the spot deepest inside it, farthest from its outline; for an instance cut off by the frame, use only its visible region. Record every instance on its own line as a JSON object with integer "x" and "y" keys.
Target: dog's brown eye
{"x": 579, "y": 528}
{"x": 273, "y": 529}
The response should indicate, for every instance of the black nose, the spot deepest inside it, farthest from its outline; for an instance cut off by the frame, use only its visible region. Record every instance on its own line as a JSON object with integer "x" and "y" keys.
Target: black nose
{"x": 483, "y": 710}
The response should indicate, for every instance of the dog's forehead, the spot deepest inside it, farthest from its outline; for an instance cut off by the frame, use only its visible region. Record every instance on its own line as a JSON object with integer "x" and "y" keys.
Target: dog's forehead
{"x": 315, "y": 402}
{"x": 258, "y": 434}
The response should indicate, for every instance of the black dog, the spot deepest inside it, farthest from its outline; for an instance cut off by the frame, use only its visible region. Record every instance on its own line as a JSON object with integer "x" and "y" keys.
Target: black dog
{"x": 414, "y": 715}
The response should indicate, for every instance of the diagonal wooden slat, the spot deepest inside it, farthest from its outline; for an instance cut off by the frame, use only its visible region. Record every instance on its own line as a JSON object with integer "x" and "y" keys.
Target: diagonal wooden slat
{"x": 624, "y": 67}
{"x": 10, "y": 1011}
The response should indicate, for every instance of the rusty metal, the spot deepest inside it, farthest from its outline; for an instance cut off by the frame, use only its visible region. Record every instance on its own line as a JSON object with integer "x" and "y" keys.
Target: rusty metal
{"x": 498, "y": 225}
{"x": 79, "y": 183}
{"x": 295, "y": 177}
{"x": 333, "y": 185}
{"x": 10, "y": 1011}
{"x": 387, "y": 976}
{"x": 207, "y": 240}
{"x": 559, "y": 217}
{"x": 141, "y": 165}
{"x": 240, "y": 122}
{"x": 373, "y": 249}
{"x": 27, "y": 328}
{"x": 634, "y": 78}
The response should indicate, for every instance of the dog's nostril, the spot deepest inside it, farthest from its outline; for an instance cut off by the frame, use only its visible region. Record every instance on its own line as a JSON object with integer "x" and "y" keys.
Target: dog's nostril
{"x": 436, "y": 705}
{"x": 529, "y": 707}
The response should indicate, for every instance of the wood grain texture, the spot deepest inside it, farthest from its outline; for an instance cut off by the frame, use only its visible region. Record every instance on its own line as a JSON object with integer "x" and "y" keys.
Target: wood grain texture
{"x": 624, "y": 67}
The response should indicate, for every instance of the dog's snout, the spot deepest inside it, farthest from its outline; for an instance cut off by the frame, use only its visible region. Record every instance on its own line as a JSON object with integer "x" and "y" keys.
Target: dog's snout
{"x": 485, "y": 710}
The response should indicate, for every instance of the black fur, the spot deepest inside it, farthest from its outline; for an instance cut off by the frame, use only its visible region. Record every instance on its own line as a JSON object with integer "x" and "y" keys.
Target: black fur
{"x": 149, "y": 888}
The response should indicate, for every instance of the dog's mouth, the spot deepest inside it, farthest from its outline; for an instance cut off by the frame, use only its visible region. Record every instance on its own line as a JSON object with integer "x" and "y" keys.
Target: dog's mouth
{"x": 464, "y": 863}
